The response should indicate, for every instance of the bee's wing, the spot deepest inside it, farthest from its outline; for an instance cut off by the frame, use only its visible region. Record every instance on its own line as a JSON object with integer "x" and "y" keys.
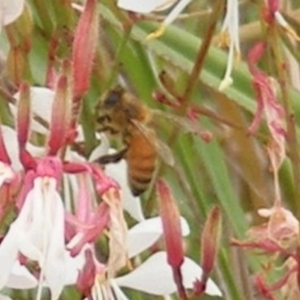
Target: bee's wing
{"x": 185, "y": 124}
{"x": 162, "y": 149}
{"x": 164, "y": 152}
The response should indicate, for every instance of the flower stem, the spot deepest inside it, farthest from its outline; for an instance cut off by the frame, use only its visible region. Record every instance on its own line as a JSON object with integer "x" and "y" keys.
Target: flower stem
{"x": 193, "y": 79}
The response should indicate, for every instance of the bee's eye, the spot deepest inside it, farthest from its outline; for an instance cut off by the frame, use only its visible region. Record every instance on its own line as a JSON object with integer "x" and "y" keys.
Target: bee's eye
{"x": 112, "y": 99}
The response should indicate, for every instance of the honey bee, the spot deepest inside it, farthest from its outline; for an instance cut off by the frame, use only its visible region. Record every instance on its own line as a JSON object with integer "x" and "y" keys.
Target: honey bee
{"x": 121, "y": 113}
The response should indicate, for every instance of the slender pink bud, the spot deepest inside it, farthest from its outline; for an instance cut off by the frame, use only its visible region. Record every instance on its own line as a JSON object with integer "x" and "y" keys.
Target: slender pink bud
{"x": 23, "y": 126}
{"x": 86, "y": 277}
{"x": 211, "y": 239}
{"x": 16, "y": 65}
{"x": 172, "y": 233}
{"x": 171, "y": 224}
{"x": 210, "y": 245}
{"x": 51, "y": 73}
{"x": 61, "y": 115}
{"x": 23, "y": 117}
{"x": 20, "y": 32}
{"x": 84, "y": 47}
{"x": 19, "y": 35}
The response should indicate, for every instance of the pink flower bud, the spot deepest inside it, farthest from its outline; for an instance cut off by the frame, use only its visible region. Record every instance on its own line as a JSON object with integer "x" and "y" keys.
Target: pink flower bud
{"x": 210, "y": 245}
{"x": 172, "y": 233}
{"x": 23, "y": 117}
{"x": 84, "y": 46}
{"x": 86, "y": 277}
{"x": 61, "y": 116}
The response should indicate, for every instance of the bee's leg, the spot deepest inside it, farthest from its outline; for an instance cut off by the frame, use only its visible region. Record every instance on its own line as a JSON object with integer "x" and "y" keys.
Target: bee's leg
{"x": 112, "y": 158}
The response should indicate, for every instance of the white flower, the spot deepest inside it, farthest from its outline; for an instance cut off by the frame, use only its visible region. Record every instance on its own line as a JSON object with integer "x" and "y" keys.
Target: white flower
{"x": 146, "y": 7}
{"x": 38, "y": 233}
{"x": 230, "y": 31}
{"x": 153, "y": 276}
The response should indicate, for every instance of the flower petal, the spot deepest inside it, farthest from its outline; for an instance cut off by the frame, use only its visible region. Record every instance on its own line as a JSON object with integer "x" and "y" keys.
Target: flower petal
{"x": 6, "y": 173}
{"x": 9, "y": 252}
{"x": 155, "y": 277}
{"x": 10, "y": 245}
{"x": 146, "y": 233}
{"x": 117, "y": 291}
{"x": 100, "y": 150}
{"x": 131, "y": 204}
{"x": 144, "y": 6}
{"x": 32, "y": 212}
{"x": 10, "y": 10}
{"x": 180, "y": 6}
{"x": 11, "y": 145}
{"x": 21, "y": 278}
{"x": 41, "y": 104}
{"x": 73, "y": 266}
{"x": 55, "y": 259}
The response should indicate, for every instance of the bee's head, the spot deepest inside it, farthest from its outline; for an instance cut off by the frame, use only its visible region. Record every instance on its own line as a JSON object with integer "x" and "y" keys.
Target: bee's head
{"x": 111, "y": 112}
{"x": 113, "y": 98}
